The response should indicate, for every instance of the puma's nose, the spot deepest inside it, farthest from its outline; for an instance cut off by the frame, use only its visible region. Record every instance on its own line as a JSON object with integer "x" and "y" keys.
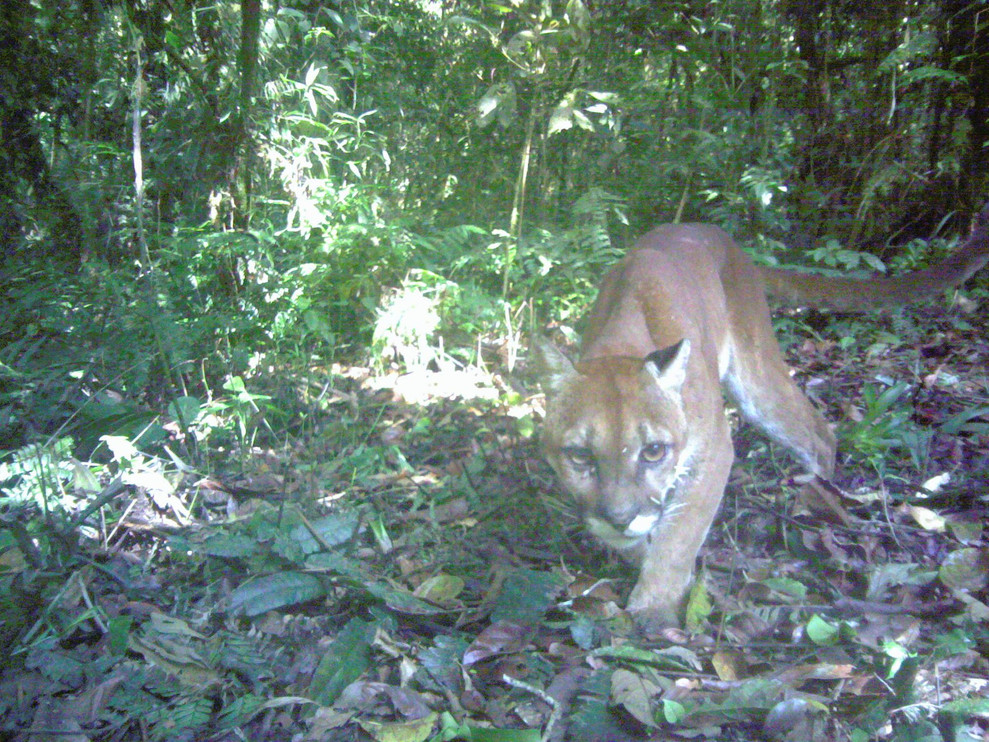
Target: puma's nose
{"x": 617, "y": 514}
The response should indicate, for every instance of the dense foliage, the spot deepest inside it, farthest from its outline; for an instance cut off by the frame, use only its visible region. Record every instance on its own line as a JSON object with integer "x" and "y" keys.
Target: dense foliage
{"x": 272, "y": 171}
{"x": 228, "y": 228}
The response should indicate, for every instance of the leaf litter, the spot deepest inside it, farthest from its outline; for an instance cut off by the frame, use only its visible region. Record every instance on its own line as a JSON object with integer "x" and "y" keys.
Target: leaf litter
{"x": 407, "y": 572}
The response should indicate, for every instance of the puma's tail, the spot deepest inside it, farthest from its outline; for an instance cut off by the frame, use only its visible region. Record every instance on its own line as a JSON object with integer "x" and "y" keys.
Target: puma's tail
{"x": 860, "y": 294}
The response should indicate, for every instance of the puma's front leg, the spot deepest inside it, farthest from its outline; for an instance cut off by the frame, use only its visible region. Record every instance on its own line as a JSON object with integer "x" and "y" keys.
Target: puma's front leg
{"x": 668, "y": 562}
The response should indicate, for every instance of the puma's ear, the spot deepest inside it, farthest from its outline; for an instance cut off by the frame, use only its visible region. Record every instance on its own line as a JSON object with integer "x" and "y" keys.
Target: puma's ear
{"x": 668, "y": 366}
{"x": 552, "y": 367}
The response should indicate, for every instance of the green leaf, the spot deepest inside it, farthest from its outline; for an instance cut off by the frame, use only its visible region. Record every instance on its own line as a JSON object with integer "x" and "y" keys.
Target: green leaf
{"x": 184, "y": 409}
{"x": 84, "y": 479}
{"x": 228, "y": 545}
{"x": 333, "y": 561}
{"x": 593, "y": 718}
{"x": 746, "y": 700}
{"x": 967, "y": 707}
{"x": 189, "y": 713}
{"x": 582, "y": 629}
{"x": 698, "y": 605}
{"x": 821, "y": 632}
{"x": 673, "y": 711}
{"x": 470, "y": 733}
{"x": 118, "y": 632}
{"x": 487, "y": 734}
{"x": 333, "y": 530}
{"x": 874, "y": 262}
{"x": 269, "y": 592}
{"x": 560, "y": 119}
{"x": 236, "y": 385}
{"x": 965, "y": 569}
{"x": 525, "y": 426}
{"x": 634, "y": 693}
{"x": 967, "y": 532}
{"x": 498, "y": 102}
{"x": 885, "y": 576}
{"x": 413, "y": 730}
{"x": 673, "y": 658}
{"x": 918, "y": 731}
{"x": 951, "y": 643}
{"x": 402, "y": 600}
{"x": 525, "y": 596}
{"x": 786, "y": 586}
{"x": 442, "y": 660}
{"x": 927, "y": 72}
{"x": 898, "y": 653}
{"x": 346, "y": 659}
{"x": 440, "y": 588}
{"x": 173, "y": 40}
{"x": 240, "y": 711}
{"x": 960, "y": 422}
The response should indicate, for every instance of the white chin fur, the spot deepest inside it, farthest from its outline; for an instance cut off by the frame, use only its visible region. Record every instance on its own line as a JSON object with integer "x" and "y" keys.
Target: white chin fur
{"x": 630, "y": 538}
{"x": 641, "y": 525}
{"x": 614, "y": 539}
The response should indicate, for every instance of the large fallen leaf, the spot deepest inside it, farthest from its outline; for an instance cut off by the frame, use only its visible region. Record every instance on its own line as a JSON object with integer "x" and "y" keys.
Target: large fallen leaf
{"x": 402, "y": 600}
{"x": 363, "y": 694}
{"x": 415, "y": 730}
{"x": 800, "y": 674}
{"x": 440, "y": 588}
{"x": 821, "y": 632}
{"x": 792, "y": 719}
{"x": 165, "y": 624}
{"x": 975, "y": 608}
{"x": 328, "y": 531}
{"x": 498, "y": 638}
{"x": 730, "y": 666}
{"x": 442, "y": 660}
{"x": 451, "y": 729}
{"x": 176, "y": 659}
{"x": 345, "y": 661}
{"x": 927, "y": 518}
{"x": 668, "y": 658}
{"x": 228, "y": 545}
{"x": 634, "y": 693}
{"x": 268, "y": 592}
{"x": 526, "y": 595}
{"x": 698, "y": 605}
{"x": 966, "y": 569}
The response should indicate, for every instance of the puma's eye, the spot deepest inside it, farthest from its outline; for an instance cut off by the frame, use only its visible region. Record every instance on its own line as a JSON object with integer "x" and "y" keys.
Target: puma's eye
{"x": 653, "y": 453}
{"x": 579, "y": 456}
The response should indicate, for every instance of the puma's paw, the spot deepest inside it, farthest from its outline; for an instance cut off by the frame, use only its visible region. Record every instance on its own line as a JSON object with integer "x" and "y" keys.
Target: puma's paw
{"x": 658, "y": 598}
{"x": 654, "y": 612}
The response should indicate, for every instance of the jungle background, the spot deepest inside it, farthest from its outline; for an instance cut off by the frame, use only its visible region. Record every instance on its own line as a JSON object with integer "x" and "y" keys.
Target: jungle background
{"x": 268, "y": 442}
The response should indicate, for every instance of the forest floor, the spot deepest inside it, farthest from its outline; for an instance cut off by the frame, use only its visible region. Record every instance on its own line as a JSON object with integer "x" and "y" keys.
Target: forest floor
{"x": 401, "y": 568}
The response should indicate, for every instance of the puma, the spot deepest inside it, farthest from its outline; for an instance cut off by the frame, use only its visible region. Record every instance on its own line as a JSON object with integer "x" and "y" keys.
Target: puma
{"x": 636, "y": 430}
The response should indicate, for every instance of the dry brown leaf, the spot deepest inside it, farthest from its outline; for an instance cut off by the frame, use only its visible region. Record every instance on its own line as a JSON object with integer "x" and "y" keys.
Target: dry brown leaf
{"x": 634, "y": 693}
{"x": 498, "y": 638}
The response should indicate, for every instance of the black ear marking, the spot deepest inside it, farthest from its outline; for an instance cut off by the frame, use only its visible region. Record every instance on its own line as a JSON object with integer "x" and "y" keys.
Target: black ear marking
{"x": 663, "y": 357}
{"x": 668, "y": 366}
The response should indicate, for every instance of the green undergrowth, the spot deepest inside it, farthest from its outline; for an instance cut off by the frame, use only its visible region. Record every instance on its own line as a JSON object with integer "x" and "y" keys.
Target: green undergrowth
{"x": 395, "y": 571}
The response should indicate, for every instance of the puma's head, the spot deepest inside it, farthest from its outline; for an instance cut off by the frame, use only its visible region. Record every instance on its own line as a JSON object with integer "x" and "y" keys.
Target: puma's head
{"x": 616, "y": 434}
